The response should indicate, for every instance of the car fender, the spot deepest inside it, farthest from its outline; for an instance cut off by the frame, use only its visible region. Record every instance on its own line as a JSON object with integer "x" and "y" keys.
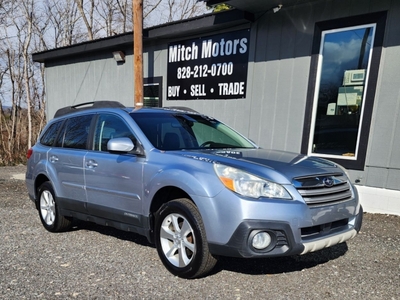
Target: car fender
{"x": 32, "y": 175}
{"x": 47, "y": 169}
{"x": 195, "y": 184}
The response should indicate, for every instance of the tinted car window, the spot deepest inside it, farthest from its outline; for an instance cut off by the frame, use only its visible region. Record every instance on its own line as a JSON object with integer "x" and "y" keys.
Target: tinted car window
{"x": 75, "y": 132}
{"x": 216, "y": 134}
{"x": 110, "y": 126}
{"x": 50, "y": 135}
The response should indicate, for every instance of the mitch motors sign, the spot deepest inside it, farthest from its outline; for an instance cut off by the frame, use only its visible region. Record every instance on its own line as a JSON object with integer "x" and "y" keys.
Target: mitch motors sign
{"x": 212, "y": 67}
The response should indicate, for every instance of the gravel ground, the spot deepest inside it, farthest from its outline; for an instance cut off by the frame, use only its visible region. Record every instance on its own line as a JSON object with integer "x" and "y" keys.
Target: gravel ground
{"x": 95, "y": 262}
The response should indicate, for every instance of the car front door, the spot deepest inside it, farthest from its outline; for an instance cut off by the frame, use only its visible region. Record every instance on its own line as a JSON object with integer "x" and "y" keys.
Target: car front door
{"x": 113, "y": 180}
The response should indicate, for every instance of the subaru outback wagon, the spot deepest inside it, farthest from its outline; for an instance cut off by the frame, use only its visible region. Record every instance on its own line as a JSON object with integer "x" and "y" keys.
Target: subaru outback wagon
{"x": 193, "y": 186}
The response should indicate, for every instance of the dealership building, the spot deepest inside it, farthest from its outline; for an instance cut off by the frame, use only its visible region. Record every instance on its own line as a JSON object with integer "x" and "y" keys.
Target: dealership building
{"x": 319, "y": 77}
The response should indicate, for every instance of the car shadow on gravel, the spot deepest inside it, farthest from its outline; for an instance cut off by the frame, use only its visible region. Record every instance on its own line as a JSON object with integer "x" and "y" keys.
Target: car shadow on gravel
{"x": 110, "y": 231}
{"x": 280, "y": 265}
{"x": 250, "y": 266}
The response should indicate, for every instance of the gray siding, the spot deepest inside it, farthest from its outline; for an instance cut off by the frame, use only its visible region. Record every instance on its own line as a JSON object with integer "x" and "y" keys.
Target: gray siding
{"x": 85, "y": 81}
{"x": 383, "y": 156}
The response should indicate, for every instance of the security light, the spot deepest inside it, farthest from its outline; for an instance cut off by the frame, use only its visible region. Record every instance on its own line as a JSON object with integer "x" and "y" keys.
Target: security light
{"x": 119, "y": 56}
{"x": 276, "y": 9}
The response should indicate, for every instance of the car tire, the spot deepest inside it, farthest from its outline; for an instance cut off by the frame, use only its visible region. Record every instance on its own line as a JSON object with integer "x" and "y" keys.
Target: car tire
{"x": 49, "y": 213}
{"x": 181, "y": 240}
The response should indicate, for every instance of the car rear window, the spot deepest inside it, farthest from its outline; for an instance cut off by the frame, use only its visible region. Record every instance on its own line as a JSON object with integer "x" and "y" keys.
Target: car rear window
{"x": 50, "y": 135}
{"x": 75, "y": 132}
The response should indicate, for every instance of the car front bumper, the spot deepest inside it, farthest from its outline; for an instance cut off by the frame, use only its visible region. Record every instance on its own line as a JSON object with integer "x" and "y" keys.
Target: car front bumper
{"x": 285, "y": 240}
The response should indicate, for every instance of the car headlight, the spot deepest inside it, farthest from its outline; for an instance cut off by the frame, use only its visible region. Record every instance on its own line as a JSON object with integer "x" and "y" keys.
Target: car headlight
{"x": 249, "y": 185}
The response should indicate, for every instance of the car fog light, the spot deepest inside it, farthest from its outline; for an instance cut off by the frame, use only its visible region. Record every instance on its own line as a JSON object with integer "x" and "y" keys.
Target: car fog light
{"x": 261, "y": 240}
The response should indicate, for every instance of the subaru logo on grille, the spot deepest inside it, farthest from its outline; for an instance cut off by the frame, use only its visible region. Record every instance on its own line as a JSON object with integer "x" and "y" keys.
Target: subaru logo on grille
{"x": 328, "y": 181}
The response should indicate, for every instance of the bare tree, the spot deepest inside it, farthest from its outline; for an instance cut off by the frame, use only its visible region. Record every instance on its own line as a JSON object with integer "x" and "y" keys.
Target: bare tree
{"x": 149, "y": 9}
{"x": 124, "y": 15}
{"x": 86, "y": 11}
{"x": 28, "y": 8}
{"x": 64, "y": 18}
{"x": 18, "y": 82}
{"x": 106, "y": 10}
{"x": 184, "y": 9}
{"x": 5, "y": 7}
{"x": 14, "y": 82}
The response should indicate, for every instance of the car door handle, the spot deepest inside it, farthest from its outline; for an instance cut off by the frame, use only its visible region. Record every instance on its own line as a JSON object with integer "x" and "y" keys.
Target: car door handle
{"x": 91, "y": 163}
{"x": 53, "y": 159}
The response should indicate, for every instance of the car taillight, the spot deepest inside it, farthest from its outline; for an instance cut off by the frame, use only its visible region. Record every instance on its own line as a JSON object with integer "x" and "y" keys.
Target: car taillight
{"x": 29, "y": 153}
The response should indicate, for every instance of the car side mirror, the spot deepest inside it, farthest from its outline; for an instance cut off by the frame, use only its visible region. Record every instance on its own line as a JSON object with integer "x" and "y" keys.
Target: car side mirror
{"x": 125, "y": 145}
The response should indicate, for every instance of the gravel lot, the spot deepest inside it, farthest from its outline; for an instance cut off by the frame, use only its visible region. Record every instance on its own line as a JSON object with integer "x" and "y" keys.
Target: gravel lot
{"x": 95, "y": 262}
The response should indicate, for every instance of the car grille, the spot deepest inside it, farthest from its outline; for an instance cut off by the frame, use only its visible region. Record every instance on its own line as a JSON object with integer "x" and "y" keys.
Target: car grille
{"x": 324, "y": 189}
{"x": 315, "y": 231}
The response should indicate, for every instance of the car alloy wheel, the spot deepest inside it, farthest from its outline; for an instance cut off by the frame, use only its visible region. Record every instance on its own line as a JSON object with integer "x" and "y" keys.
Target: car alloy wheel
{"x": 181, "y": 240}
{"x": 177, "y": 240}
{"x": 47, "y": 207}
{"x": 49, "y": 214}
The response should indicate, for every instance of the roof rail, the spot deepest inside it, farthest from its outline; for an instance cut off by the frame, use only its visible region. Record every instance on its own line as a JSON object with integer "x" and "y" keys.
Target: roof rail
{"x": 87, "y": 105}
{"x": 181, "y": 108}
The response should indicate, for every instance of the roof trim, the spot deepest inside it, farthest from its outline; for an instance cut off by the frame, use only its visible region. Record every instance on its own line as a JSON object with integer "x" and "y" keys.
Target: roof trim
{"x": 216, "y": 2}
{"x": 173, "y": 30}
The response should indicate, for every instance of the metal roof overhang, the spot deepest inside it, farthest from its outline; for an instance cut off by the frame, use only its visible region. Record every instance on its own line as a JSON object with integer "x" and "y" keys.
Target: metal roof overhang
{"x": 182, "y": 29}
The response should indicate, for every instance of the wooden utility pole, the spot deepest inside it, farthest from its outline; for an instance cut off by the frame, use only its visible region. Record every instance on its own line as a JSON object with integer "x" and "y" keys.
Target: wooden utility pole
{"x": 137, "y": 12}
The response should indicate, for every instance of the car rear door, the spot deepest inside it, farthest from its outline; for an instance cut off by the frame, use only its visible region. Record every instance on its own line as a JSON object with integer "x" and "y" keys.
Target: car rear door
{"x": 66, "y": 161}
{"x": 114, "y": 183}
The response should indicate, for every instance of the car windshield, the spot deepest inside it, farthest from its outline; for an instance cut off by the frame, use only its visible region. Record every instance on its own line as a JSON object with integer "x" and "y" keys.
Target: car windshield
{"x": 177, "y": 130}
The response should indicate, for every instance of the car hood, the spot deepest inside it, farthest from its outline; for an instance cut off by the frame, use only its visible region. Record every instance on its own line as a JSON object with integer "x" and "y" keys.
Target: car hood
{"x": 271, "y": 164}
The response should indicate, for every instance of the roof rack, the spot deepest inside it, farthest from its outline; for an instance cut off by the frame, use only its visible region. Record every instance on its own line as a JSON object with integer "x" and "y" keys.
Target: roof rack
{"x": 87, "y": 105}
{"x": 181, "y": 108}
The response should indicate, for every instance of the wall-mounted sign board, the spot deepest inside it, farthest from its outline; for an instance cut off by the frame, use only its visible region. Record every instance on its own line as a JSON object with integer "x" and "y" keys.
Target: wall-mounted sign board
{"x": 213, "y": 67}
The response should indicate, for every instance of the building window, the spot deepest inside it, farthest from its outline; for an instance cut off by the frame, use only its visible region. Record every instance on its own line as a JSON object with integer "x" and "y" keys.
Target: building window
{"x": 339, "y": 94}
{"x": 342, "y": 89}
{"x": 152, "y": 92}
